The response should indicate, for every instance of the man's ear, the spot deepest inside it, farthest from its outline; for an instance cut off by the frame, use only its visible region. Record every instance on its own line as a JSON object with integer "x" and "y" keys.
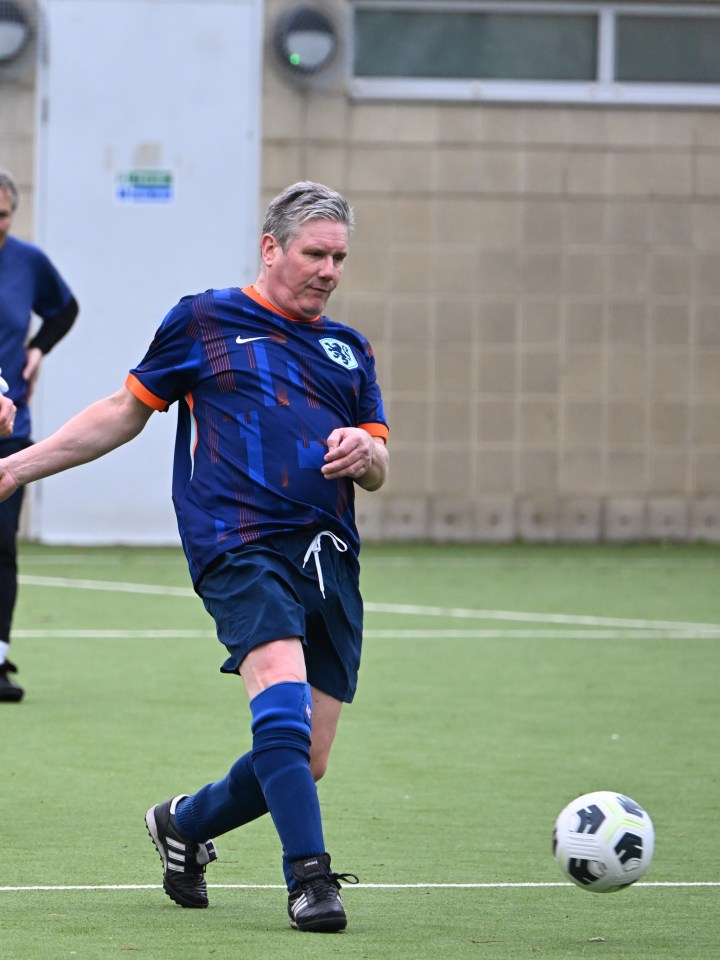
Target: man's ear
{"x": 269, "y": 248}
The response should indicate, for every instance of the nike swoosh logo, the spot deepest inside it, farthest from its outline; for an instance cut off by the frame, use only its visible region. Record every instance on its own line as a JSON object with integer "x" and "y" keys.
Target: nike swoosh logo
{"x": 249, "y": 339}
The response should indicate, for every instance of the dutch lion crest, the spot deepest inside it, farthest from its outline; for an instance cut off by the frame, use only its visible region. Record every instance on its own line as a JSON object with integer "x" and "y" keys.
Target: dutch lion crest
{"x": 339, "y": 352}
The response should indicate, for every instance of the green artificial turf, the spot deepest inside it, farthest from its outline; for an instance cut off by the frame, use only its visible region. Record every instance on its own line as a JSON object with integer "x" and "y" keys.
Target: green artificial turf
{"x": 471, "y": 730}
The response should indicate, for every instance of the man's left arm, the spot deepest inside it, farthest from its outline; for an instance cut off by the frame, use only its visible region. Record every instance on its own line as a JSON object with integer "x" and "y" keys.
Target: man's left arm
{"x": 353, "y": 452}
{"x": 53, "y": 329}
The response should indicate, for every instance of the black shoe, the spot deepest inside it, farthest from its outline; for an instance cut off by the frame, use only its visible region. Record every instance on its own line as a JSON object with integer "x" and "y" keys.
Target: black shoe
{"x": 183, "y": 860}
{"x": 316, "y": 905}
{"x": 9, "y": 692}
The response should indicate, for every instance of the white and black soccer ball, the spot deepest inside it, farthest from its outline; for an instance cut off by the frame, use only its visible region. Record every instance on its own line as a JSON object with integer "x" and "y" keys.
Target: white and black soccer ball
{"x": 603, "y": 841}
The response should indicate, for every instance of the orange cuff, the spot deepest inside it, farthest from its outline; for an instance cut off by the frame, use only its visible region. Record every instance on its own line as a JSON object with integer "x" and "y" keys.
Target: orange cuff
{"x": 144, "y": 395}
{"x": 376, "y": 430}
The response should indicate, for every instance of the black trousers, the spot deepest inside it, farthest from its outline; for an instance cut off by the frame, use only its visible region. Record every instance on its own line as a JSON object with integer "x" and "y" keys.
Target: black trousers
{"x": 9, "y": 524}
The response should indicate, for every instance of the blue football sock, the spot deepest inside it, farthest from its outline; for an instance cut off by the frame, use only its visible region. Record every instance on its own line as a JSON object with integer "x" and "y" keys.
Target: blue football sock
{"x": 222, "y": 806}
{"x": 281, "y": 727}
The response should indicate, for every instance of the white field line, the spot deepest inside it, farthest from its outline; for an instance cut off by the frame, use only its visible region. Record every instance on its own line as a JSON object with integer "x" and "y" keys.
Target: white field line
{"x": 460, "y": 613}
{"x": 368, "y": 634}
{"x": 401, "y": 609}
{"x": 358, "y": 886}
{"x": 109, "y": 586}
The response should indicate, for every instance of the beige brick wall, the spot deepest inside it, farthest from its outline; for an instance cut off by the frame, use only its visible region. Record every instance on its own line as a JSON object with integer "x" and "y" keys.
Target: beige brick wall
{"x": 542, "y": 289}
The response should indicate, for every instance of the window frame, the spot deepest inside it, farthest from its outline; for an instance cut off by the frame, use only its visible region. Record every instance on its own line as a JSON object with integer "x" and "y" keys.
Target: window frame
{"x": 605, "y": 90}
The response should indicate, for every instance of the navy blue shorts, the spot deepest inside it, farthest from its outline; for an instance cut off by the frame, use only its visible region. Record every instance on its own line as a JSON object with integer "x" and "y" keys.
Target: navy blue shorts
{"x": 262, "y": 592}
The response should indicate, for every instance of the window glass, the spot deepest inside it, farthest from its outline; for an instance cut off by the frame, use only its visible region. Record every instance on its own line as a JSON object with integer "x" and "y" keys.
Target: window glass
{"x": 477, "y": 45}
{"x": 531, "y": 51}
{"x": 668, "y": 49}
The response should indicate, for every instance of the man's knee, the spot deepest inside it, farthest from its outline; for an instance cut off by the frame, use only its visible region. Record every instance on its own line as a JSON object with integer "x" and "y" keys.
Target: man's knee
{"x": 281, "y": 718}
{"x": 318, "y": 765}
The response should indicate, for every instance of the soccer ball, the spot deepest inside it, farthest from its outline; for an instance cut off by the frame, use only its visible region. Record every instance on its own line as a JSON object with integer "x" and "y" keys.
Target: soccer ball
{"x": 603, "y": 841}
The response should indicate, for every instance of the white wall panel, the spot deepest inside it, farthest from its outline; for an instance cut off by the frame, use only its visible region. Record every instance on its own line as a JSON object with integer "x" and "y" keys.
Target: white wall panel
{"x": 166, "y": 88}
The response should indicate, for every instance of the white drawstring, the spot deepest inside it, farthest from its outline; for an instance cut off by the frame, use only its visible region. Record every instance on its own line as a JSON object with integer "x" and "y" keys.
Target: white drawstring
{"x": 314, "y": 550}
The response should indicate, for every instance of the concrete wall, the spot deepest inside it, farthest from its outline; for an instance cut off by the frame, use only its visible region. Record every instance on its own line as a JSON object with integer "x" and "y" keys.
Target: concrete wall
{"x": 542, "y": 289}
{"x": 17, "y": 124}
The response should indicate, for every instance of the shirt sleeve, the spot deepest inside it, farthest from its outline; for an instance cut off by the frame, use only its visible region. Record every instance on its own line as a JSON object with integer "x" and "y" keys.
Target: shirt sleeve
{"x": 169, "y": 369}
{"x": 52, "y": 294}
{"x": 376, "y": 430}
{"x": 54, "y": 328}
{"x": 372, "y": 411}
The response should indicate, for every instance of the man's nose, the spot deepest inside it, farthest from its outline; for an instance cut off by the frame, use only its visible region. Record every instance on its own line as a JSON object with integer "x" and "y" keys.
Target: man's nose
{"x": 327, "y": 267}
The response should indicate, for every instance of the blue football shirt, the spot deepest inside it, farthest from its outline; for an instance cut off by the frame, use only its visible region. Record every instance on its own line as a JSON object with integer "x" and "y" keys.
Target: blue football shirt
{"x": 258, "y": 394}
{"x": 29, "y": 283}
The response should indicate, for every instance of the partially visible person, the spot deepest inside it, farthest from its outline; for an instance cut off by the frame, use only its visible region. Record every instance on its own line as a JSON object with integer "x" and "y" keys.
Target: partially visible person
{"x": 29, "y": 284}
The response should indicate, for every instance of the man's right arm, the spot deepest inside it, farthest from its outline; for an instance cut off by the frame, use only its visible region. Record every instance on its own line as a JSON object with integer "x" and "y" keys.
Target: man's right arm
{"x": 89, "y": 435}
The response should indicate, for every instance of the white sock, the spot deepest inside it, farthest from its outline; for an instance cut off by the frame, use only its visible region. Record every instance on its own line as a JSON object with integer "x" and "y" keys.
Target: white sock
{"x": 4, "y": 647}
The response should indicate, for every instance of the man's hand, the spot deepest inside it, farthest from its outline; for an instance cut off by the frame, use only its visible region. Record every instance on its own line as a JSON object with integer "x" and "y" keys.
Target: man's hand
{"x": 7, "y": 416}
{"x": 33, "y": 358}
{"x": 353, "y": 453}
